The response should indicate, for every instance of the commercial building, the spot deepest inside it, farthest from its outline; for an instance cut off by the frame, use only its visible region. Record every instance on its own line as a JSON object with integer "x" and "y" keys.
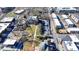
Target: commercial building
{"x": 54, "y": 16}
{"x": 45, "y": 27}
{"x": 69, "y": 46}
{"x": 71, "y": 37}
{"x": 7, "y": 19}
{"x": 19, "y": 11}
{"x": 66, "y": 10}
{"x": 64, "y": 16}
{"x": 13, "y": 44}
{"x": 74, "y": 38}
{"x": 9, "y": 49}
{"x": 6, "y": 26}
{"x": 69, "y": 43}
{"x": 69, "y": 23}
{"x": 72, "y": 30}
{"x": 3, "y": 26}
{"x": 57, "y": 24}
{"x": 4, "y": 31}
{"x": 9, "y": 42}
{"x": 10, "y": 20}
{"x": 75, "y": 18}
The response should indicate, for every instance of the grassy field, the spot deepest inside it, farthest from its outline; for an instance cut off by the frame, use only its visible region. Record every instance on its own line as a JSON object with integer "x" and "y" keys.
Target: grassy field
{"x": 10, "y": 14}
{"x": 38, "y": 30}
{"x": 31, "y": 30}
{"x": 28, "y": 46}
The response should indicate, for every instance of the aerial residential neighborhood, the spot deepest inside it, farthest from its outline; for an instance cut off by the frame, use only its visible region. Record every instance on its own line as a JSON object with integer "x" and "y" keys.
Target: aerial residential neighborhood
{"x": 39, "y": 29}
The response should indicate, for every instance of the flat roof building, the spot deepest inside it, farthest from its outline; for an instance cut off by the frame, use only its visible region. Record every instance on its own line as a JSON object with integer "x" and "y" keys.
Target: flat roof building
{"x": 74, "y": 38}
{"x": 3, "y": 26}
{"x": 54, "y": 16}
{"x": 72, "y": 30}
{"x": 64, "y": 16}
{"x": 9, "y": 49}
{"x": 69, "y": 23}
{"x": 66, "y": 10}
{"x": 6, "y": 26}
{"x": 7, "y": 19}
{"x": 69, "y": 43}
{"x": 75, "y": 18}
{"x": 57, "y": 23}
{"x": 69, "y": 46}
{"x": 9, "y": 42}
{"x": 19, "y": 11}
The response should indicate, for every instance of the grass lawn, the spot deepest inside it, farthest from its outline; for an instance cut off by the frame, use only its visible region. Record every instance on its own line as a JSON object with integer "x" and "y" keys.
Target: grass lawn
{"x": 38, "y": 32}
{"x": 37, "y": 42}
{"x": 10, "y": 14}
{"x": 31, "y": 30}
{"x": 28, "y": 46}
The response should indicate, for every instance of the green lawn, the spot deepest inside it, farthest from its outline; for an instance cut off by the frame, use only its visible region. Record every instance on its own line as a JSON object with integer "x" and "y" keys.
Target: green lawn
{"x": 10, "y": 14}
{"x": 38, "y": 33}
{"x": 31, "y": 30}
{"x": 38, "y": 30}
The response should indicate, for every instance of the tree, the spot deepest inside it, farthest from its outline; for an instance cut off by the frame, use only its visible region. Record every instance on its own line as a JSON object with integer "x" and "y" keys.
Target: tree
{"x": 24, "y": 39}
{"x": 25, "y": 16}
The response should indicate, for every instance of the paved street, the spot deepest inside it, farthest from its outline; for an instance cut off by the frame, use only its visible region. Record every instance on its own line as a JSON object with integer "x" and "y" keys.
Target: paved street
{"x": 55, "y": 35}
